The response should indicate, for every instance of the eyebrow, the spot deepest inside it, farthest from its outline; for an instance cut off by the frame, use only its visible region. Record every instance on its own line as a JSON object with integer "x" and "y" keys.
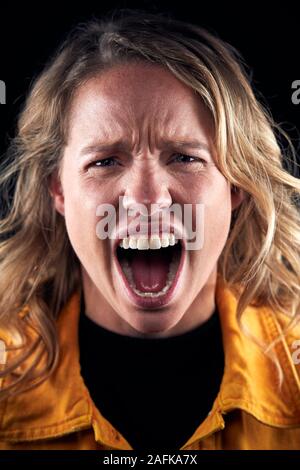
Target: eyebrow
{"x": 193, "y": 144}
{"x": 121, "y": 145}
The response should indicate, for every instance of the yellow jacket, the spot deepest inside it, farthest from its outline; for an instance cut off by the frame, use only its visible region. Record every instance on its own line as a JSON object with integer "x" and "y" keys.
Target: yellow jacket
{"x": 249, "y": 412}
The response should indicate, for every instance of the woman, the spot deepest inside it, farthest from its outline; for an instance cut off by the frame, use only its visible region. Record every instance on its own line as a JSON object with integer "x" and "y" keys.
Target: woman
{"x": 118, "y": 338}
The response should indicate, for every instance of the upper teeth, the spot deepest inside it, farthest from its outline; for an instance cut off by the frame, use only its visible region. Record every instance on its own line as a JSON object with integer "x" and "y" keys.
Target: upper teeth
{"x": 155, "y": 242}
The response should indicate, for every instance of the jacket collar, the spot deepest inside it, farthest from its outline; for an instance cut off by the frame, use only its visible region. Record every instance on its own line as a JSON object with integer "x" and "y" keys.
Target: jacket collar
{"x": 62, "y": 403}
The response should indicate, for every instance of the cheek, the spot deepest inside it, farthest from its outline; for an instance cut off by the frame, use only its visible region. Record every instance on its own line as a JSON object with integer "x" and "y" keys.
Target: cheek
{"x": 81, "y": 197}
{"x": 80, "y": 216}
{"x": 217, "y": 217}
{"x": 217, "y": 222}
{"x": 81, "y": 230}
{"x": 215, "y": 196}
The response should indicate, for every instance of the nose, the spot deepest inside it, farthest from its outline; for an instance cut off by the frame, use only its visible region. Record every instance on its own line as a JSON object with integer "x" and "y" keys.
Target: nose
{"x": 145, "y": 188}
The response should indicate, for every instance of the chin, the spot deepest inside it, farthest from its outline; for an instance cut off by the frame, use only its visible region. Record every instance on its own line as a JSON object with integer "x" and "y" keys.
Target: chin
{"x": 153, "y": 323}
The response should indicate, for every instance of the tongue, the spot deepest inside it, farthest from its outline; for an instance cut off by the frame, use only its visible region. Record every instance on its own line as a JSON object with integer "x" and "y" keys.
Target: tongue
{"x": 150, "y": 271}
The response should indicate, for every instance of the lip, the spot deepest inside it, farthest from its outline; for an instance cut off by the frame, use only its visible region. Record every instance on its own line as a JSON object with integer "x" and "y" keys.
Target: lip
{"x": 151, "y": 302}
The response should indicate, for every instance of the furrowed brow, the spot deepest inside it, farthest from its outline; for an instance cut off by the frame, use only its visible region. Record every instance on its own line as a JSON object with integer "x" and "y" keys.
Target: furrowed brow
{"x": 121, "y": 145}
{"x": 184, "y": 144}
{"x": 118, "y": 145}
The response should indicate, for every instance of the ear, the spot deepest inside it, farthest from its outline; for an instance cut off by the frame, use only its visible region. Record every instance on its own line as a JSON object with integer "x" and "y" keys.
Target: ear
{"x": 237, "y": 197}
{"x": 56, "y": 192}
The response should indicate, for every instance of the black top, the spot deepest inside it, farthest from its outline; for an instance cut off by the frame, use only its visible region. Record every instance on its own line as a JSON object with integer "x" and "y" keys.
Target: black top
{"x": 156, "y": 392}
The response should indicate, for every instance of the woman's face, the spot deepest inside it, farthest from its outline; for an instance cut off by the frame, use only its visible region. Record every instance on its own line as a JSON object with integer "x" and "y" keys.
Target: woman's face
{"x": 144, "y": 125}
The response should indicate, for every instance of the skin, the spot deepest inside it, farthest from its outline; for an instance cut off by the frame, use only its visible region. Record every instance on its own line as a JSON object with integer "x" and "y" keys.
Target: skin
{"x": 142, "y": 104}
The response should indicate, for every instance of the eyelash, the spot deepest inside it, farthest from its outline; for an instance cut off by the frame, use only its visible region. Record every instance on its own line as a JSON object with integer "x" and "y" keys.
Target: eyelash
{"x": 112, "y": 159}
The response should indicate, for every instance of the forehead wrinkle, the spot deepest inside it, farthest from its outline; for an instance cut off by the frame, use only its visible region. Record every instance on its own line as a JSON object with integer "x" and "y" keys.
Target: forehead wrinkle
{"x": 148, "y": 136}
{"x": 152, "y": 128}
{"x": 139, "y": 131}
{"x": 142, "y": 123}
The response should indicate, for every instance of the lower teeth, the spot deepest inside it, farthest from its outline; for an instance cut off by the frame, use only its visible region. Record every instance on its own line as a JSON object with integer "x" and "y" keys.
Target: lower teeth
{"x": 171, "y": 274}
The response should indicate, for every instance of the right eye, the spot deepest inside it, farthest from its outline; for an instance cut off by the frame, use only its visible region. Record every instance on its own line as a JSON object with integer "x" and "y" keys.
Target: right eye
{"x": 105, "y": 162}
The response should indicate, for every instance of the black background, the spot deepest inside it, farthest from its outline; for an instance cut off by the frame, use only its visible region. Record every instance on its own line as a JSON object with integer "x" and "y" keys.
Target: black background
{"x": 267, "y": 36}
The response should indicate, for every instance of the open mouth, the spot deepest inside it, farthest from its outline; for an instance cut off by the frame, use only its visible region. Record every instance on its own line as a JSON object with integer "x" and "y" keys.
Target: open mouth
{"x": 150, "y": 268}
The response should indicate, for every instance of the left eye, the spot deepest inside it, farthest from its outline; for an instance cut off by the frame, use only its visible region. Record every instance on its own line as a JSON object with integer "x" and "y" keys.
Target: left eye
{"x": 182, "y": 158}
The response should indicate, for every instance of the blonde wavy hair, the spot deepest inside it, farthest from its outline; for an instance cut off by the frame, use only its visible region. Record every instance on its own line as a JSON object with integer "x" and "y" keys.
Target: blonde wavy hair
{"x": 38, "y": 267}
